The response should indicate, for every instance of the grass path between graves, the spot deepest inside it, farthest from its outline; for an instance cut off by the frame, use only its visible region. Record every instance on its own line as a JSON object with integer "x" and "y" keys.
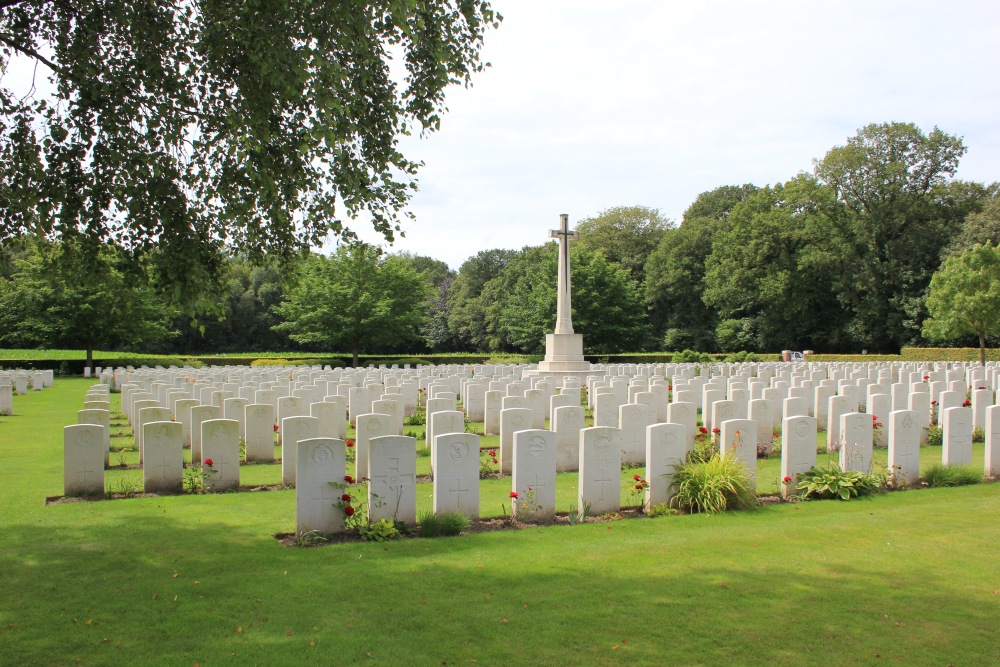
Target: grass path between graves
{"x": 905, "y": 578}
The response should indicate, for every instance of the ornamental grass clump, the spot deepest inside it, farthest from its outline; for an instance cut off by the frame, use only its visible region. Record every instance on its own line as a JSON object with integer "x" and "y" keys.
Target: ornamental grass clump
{"x": 942, "y": 475}
{"x": 714, "y": 485}
{"x": 443, "y": 524}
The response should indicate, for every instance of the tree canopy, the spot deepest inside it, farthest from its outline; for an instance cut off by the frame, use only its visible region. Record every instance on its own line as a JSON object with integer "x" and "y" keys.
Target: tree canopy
{"x": 185, "y": 127}
{"x": 625, "y": 234}
{"x": 964, "y": 297}
{"x": 57, "y": 296}
{"x": 355, "y": 300}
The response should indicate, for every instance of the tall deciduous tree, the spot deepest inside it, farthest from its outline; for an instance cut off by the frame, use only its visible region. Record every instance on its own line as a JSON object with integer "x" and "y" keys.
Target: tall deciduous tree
{"x": 769, "y": 272}
{"x": 892, "y": 181}
{"x": 187, "y": 125}
{"x": 57, "y": 296}
{"x": 675, "y": 271}
{"x": 626, "y": 235}
{"x": 964, "y": 297}
{"x": 354, "y": 300}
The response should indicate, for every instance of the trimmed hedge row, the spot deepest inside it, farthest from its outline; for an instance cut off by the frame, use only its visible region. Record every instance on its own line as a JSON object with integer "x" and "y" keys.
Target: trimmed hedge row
{"x": 72, "y": 362}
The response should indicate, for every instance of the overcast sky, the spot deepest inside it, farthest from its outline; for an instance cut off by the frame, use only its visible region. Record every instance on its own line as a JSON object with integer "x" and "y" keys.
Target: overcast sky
{"x": 592, "y": 104}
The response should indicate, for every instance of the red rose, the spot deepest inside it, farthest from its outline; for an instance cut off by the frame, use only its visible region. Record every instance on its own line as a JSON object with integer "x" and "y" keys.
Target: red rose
{"x": 275, "y": 427}
{"x": 638, "y": 487}
{"x": 927, "y": 377}
{"x": 513, "y": 494}
{"x": 349, "y": 511}
{"x": 967, "y": 403}
{"x": 636, "y": 477}
{"x": 786, "y": 479}
{"x": 209, "y": 462}
{"x": 716, "y": 430}
{"x": 492, "y": 452}
{"x": 703, "y": 429}
{"x": 346, "y": 497}
{"x": 348, "y": 479}
{"x": 933, "y": 402}
{"x": 350, "y": 443}
{"x": 874, "y": 418}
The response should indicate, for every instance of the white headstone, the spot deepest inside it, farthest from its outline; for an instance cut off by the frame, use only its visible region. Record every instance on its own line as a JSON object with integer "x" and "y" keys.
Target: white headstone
{"x": 163, "y": 468}
{"x": 798, "y": 450}
{"x": 511, "y": 420}
{"x": 259, "y": 424}
{"x": 534, "y": 475}
{"x": 633, "y": 420}
{"x": 369, "y": 426}
{"x": 100, "y": 418}
{"x": 320, "y": 464}
{"x": 293, "y": 431}
{"x": 83, "y": 460}
{"x": 392, "y": 491}
{"x": 856, "y": 442}
{"x": 666, "y": 449}
{"x": 567, "y": 422}
{"x": 957, "y": 437}
{"x": 220, "y": 444}
{"x": 738, "y": 436}
{"x": 904, "y": 447}
{"x": 600, "y": 470}
{"x": 199, "y": 415}
{"x": 992, "y": 445}
{"x": 456, "y": 477}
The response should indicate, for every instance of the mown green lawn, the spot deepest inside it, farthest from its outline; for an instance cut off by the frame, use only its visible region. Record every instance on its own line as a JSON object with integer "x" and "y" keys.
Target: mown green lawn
{"x": 906, "y": 578}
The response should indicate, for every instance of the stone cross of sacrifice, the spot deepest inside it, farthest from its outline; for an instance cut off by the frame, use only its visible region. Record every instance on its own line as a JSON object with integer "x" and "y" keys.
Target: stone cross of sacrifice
{"x": 564, "y": 306}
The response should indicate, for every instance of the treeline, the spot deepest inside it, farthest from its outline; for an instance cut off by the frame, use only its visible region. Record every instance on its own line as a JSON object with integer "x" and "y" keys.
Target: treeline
{"x": 836, "y": 260}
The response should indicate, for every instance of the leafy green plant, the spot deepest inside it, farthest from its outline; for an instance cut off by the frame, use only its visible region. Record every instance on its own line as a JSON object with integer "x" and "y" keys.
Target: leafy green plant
{"x": 714, "y": 485}
{"x": 833, "y": 482}
{"x": 443, "y": 524}
{"x": 942, "y": 475}
{"x": 691, "y": 357}
{"x": 661, "y": 509}
{"x": 636, "y": 488}
{"x": 978, "y": 434}
{"x": 935, "y": 436}
{"x": 382, "y": 530}
{"x": 418, "y": 418}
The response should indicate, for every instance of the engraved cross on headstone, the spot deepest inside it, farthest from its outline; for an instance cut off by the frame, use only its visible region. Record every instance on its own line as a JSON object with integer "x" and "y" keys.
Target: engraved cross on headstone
{"x": 604, "y": 481}
{"x": 564, "y": 306}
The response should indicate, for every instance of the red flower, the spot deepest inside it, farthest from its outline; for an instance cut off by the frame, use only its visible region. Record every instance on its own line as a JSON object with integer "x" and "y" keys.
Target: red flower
{"x": 346, "y": 497}
{"x": 636, "y": 477}
{"x": 209, "y": 462}
{"x": 786, "y": 479}
{"x": 716, "y": 430}
{"x": 874, "y": 418}
{"x": 703, "y": 429}
{"x": 933, "y": 402}
{"x": 638, "y": 487}
{"x": 350, "y": 443}
{"x": 275, "y": 427}
{"x": 927, "y": 377}
{"x": 494, "y": 460}
{"x": 349, "y": 511}
{"x": 492, "y": 452}
{"x": 348, "y": 479}
{"x": 513, "y": 494}
{"x": 967, "y": 403}
{"x": 980, "y": 387}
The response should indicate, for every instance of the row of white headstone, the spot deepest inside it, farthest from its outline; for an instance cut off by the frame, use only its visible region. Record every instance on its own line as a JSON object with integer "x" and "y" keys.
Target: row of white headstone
{"x": 19, "y": 383}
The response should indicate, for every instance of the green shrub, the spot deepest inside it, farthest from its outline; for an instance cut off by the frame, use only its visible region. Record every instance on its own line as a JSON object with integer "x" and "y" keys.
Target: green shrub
{"x": 691, "y": 357}
{"x": 978, "y": 434}
{"x": 382, "y": 530}
{"x": 942, "y": 475}
{"x": 743, "y": 356}
{"x": 832, "y": 482}
{"x": 715, "y": 485}
{"x": 935, "y": 438}
{"x": 443, "y": 524}
{"x": 273, "y": 361}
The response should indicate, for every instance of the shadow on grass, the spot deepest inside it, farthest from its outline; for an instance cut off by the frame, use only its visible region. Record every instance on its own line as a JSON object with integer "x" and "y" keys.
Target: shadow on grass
{"x": 157, "y": 584}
